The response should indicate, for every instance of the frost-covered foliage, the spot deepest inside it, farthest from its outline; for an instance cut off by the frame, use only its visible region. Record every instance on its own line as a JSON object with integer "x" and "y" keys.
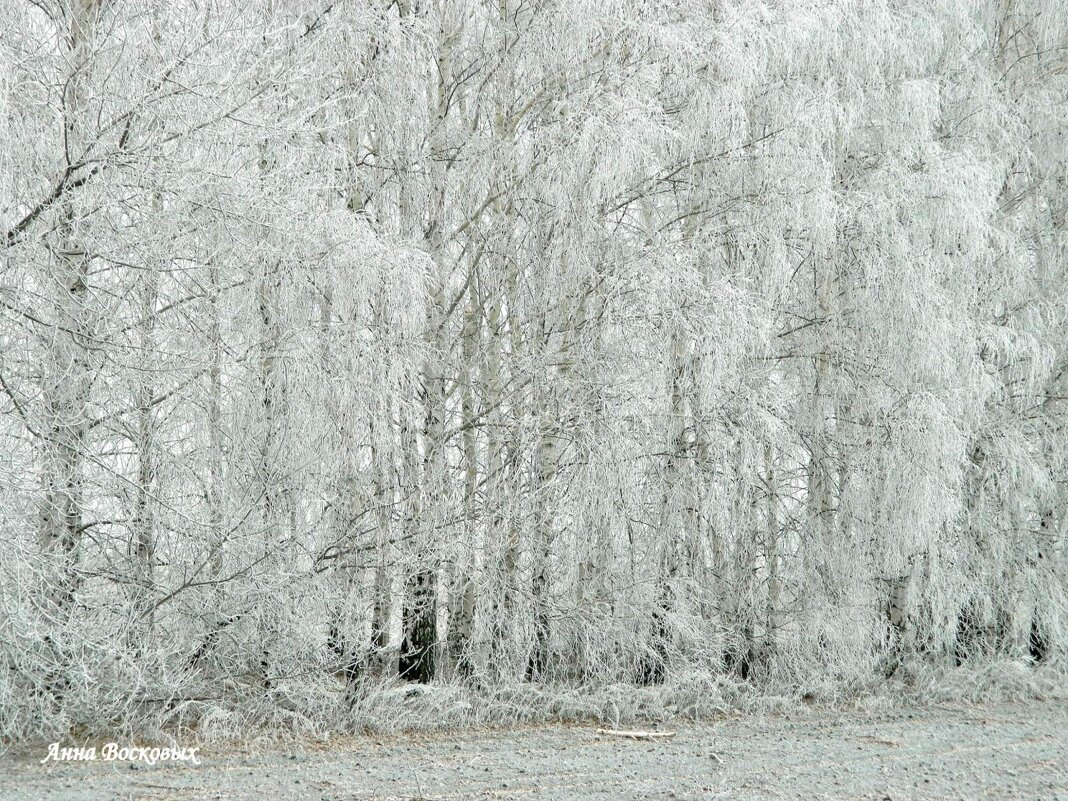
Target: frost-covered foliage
{"x": 542, "y": 350}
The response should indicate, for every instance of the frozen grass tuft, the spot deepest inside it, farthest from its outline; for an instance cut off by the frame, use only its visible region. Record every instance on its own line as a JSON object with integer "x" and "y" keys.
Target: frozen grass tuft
{"x": 998, "y": 680}
{"x": 319, "y": 711}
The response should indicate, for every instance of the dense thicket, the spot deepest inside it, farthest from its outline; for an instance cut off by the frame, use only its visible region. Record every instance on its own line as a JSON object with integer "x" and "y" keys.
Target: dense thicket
{"x": 504, "y": 342}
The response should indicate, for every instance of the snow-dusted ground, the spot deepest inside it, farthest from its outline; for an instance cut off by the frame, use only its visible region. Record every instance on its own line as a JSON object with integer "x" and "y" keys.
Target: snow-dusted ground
{"x": 1003, "y": 751}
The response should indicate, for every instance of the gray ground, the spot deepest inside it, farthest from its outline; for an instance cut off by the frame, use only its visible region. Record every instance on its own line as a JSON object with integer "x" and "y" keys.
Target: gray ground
{"x": 1005, "y": 751}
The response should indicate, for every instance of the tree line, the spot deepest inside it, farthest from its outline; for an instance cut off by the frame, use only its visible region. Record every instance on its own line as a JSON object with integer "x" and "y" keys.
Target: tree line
{"x": 498, "y": 342}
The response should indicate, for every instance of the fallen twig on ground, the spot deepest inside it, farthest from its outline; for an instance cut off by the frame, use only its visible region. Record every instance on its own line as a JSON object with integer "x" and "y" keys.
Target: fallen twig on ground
{"x": 637, "y": 735}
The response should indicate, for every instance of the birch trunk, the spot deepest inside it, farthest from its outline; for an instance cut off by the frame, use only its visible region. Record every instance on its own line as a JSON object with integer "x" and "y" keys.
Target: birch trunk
{"x": 504, "y": 346}
{"x": 144, "y": 518}
{"x": 68, "y": 374}
{"x": 462, "y": 618}
{"x": 422, "y": 642}
{"x": 772, "y": 555}
{"x": 653, "y": 669}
